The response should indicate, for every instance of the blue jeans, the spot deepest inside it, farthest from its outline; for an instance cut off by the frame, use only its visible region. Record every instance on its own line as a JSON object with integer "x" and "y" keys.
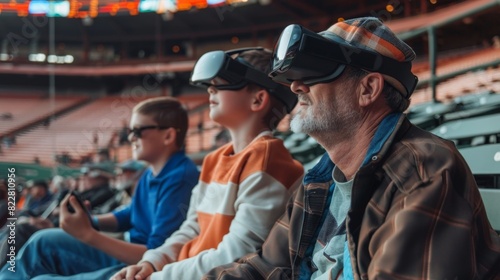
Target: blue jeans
{"x": 54, "y": 252}
{"x": 103, "y": 274}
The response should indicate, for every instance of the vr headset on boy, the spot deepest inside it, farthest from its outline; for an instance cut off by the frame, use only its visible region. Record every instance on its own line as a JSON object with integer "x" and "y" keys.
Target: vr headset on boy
{"x": 301, "y": 54}
{"x": 238, "y": 73}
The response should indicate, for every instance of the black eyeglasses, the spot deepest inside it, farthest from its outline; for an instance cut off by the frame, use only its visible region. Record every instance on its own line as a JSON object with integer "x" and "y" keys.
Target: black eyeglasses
{"x": 137, "y": 131}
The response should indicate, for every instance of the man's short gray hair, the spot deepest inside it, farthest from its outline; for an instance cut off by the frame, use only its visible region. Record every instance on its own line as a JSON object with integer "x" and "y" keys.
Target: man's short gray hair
{"x": 392, "y": 96}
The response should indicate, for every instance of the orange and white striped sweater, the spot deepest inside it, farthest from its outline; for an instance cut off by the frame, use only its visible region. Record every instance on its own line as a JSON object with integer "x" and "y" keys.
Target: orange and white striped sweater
{"x": 232, "y": 209}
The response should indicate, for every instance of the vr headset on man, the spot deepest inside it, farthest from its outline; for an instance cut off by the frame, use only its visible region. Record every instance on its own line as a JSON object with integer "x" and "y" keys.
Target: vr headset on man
{"x": 238, "y": 73}
{"x": 301, "y": 54}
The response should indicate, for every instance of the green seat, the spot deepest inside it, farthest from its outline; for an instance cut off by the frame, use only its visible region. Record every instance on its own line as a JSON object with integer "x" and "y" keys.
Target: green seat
{"x": 483, "y": 160}
{"x": 471, "y": 113}
{"x": 431, "y": 109}
{"x": 491, "y": 200}
{"x": 468, "y": 128}
{"x": 429, "y": 115}
{"x": 487, "y": 98}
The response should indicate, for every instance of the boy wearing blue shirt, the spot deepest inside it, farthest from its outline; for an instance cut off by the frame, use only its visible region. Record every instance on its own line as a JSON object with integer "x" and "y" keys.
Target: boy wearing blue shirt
{"x": 157, "y": 132}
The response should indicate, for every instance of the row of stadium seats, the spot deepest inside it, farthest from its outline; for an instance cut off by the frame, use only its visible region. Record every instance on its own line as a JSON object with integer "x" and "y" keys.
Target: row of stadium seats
{"x": 88, "y": 128}
{"x": 471, "y": 82}
{"x": 28, "y": 109}
{"x": 463, "y": 61}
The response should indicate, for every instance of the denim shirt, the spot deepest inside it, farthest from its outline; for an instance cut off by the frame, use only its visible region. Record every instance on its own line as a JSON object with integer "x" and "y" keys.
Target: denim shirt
{"x": 322, "y": 172}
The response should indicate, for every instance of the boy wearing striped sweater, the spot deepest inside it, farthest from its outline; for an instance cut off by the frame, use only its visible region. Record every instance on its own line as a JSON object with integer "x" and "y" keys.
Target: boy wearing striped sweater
{"x": 244, "y": 185}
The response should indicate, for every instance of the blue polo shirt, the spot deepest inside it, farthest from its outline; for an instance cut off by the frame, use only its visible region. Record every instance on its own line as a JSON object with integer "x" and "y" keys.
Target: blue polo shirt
{"x": 160, "y": 203}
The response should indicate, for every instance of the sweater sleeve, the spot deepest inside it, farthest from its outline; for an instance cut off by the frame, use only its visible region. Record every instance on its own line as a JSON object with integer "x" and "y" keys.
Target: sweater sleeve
{"x": 261, "y": 200}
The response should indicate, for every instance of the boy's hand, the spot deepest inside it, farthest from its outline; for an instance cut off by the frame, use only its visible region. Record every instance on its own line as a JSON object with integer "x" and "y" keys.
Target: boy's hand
{"x": 40, "y": 223}
{"x": 140, "y": 271}
{"x": 77, "y": 224}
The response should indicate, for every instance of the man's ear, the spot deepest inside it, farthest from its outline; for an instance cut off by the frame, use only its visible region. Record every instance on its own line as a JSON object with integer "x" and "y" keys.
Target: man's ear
{"x": 370, "y": 88}
{"x": 170, "y": 136}
{"x": 260, "y": 100}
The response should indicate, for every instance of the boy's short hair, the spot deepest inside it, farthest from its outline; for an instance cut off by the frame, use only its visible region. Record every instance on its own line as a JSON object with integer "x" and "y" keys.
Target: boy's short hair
{"x": 261, "y": 60}
{"x": 167, "y": 112}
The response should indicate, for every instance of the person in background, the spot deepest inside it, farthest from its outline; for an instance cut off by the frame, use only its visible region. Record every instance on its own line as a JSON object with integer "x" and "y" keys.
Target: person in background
{"x": 127, "y": 175}
{"x": 37, "y": 199}
{"x": 123, "y": 134}
{"x": 95, "y": 185}
{"x": 157, "y": 131}
{"x": 102, "y": 156}
{"x": 95, "y": 189}
{"x": 387, "y": 200}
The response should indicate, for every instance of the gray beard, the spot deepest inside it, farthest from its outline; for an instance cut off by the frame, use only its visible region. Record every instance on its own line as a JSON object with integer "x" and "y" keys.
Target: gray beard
{"x": 327, "y": 125}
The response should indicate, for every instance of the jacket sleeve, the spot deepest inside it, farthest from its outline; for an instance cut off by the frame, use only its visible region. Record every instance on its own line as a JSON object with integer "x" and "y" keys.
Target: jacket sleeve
{"x": 274, "y": 260}
{"x": 441, "y": 225}
{"x": 261, "y": 199}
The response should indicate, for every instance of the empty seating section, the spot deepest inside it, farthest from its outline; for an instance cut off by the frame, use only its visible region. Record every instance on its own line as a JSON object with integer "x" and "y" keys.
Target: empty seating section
{"x": 471, "y": 82}
{"x": 81, "y": 131}
{"x": 202, "y": 131}
{"x": 453, "y": 63}
{"x": 26, "y": 110}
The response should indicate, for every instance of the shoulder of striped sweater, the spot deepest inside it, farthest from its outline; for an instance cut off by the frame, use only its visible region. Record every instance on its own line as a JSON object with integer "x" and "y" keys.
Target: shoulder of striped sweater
{"x": 276, "y": 154}
{"x": 215, "y": 154}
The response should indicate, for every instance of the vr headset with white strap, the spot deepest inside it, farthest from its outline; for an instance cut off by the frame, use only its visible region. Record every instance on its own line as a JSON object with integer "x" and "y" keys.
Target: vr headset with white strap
{"x": 238, "y": 73}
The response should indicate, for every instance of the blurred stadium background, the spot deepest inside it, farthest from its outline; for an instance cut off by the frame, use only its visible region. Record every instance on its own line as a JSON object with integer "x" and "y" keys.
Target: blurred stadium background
{"x": 71, "y": 71}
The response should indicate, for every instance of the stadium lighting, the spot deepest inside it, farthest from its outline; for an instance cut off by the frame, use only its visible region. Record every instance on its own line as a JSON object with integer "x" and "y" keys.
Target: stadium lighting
{"x": 167, "y": 16}
{"x": 40, "y": 57}
{"x": 52, "y": 59}
{"x": 215, "y": 2}
{"x": 95, "y": 8}
{"x": 37, "y": 57}
{"x": 69, "y": 59}
{"x": 232, "y": 2}
{"x": 59, "y": 59}
{"x": 5, "y": 57}
{"x": 87, "y": 21}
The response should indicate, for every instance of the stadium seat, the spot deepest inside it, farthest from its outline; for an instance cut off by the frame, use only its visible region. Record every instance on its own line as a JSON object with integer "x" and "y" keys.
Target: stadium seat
{"x": 483, "y": 160}
{"x": 469, "y": 128}
{"x": 491, "y": 199}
